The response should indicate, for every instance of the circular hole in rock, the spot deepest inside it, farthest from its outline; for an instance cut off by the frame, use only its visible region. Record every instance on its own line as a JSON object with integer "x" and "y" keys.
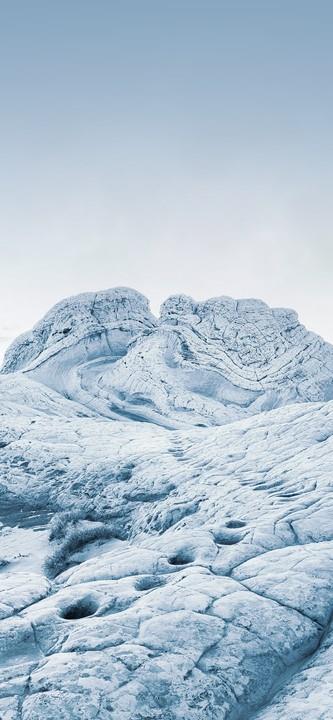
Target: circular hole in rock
{"x": 183, "y": 557}
{"x": 228, "y": 541}
{"x": 234, "y": 524}
{"x": 223, "y": 538}
{"x": 80, "y": 609}
{"x": 149, "y": 582}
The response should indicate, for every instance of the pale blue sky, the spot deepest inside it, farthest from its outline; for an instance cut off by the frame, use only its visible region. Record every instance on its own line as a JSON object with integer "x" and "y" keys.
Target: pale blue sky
{"x": 168, "y": 145}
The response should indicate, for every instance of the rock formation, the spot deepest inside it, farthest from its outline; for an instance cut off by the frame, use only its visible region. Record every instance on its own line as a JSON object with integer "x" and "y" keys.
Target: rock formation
{"x": 166, "y": 547}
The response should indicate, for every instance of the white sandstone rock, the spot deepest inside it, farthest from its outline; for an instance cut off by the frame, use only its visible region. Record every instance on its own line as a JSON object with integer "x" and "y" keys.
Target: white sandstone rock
{"x": 186, "y": 466}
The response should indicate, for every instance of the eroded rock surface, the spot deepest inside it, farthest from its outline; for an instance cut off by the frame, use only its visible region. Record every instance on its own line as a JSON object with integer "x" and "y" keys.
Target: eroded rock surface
{"x": 166, "y": 547}
{"x": 199, "y": 363}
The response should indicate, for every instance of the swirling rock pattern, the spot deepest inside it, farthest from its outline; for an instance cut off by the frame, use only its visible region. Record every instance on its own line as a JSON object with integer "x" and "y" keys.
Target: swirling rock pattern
{"x": 166, "y": 547}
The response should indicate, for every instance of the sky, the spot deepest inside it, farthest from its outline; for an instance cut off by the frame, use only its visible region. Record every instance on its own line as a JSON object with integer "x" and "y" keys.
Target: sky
{"x": 167, "y": 145}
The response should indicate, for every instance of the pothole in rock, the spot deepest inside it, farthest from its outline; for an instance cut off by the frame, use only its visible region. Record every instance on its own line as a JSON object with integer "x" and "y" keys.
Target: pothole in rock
{"x": 182, "y": 557}
{"x": 226, "y": 538}
{"x": 149, "y": 582}
{"x": 234, "y": 524}
{"x": 81, "y": 609}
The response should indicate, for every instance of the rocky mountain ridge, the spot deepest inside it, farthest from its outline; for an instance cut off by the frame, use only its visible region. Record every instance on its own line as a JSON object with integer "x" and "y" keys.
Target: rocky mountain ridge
{"x": 199, "y": 363}
{"x": 166, "y": 514}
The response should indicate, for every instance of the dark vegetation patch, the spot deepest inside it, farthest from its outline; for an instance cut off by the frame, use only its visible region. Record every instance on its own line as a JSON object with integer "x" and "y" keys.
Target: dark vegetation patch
{"x": 70, "y": 533}
{"x": 61, "y": 522}
{"x": 60, "y": 559}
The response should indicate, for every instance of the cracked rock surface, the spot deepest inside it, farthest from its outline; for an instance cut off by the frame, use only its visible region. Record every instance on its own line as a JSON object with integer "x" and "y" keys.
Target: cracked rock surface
{"x": 166, "y": 508}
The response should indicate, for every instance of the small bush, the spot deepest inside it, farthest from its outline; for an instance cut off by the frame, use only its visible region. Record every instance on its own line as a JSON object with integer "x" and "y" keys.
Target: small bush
{"x": 58, "y": 526}
{"x": 76, "y": 537}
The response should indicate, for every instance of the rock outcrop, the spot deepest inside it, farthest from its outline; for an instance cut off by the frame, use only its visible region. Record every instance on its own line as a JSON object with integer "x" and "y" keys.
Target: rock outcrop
{"x": 166, "y": 547}
{"x": 200, "y": 363}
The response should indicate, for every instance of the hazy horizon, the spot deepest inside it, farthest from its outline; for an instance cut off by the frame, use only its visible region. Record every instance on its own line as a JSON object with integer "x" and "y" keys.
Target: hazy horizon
{"x": 173, "y": 147}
